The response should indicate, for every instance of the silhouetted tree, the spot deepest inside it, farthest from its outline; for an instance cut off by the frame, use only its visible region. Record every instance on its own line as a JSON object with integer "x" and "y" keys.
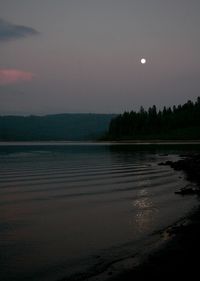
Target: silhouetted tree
{"x": 182, "y": 121}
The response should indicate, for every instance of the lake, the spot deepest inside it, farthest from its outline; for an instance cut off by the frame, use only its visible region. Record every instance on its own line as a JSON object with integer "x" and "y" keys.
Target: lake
{"x": 69, "y": 210}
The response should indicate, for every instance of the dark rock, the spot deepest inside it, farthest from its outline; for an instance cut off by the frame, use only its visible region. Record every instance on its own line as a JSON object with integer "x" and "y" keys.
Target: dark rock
{"x": 187, "y": 191}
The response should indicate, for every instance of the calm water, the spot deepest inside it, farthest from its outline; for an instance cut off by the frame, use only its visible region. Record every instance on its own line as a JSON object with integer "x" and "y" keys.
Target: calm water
{"x": 69, "y": 209}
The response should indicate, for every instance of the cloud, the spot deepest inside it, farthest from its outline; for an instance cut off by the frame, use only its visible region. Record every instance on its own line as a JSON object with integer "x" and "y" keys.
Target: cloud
{"x": 9, "y": 31}
{"x": 11, "y": 76}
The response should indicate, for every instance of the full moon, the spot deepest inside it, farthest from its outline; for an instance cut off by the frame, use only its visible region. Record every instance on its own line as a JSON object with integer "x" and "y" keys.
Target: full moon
{"x": 143, "y": 61}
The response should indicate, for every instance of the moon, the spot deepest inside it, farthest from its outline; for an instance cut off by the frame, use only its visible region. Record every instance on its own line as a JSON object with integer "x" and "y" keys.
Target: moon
{"x": 143, "y": 61}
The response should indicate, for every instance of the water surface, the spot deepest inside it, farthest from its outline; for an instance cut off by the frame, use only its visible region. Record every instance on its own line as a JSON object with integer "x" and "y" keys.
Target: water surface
{"x": 74, "y": 208}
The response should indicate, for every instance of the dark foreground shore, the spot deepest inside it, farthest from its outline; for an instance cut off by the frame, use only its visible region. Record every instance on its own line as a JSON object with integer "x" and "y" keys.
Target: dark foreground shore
{"x": 180, "y": 258}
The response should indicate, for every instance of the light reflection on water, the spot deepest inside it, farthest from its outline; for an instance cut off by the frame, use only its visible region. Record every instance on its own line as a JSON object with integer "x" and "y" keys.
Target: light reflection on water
{"x": 145, "y": 211}
{"x": 61, "y": 207}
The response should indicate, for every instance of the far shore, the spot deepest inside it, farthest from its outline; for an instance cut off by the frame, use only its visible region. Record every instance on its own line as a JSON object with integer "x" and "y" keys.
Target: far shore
{"x": 93, "y": 142}
{"x": 156, "y": 141}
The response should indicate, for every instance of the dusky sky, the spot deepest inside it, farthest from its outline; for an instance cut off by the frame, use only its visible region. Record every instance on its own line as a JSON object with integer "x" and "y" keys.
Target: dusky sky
{"x": 61, "y": 56}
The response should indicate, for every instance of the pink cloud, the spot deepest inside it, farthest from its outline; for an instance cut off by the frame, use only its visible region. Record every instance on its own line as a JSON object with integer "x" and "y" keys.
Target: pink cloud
{"x": 10, "y": 76}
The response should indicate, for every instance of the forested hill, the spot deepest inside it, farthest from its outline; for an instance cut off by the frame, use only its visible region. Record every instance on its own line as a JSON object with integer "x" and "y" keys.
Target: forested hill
{"x": 54, "y": 127}
{"x": 178, "y": 122}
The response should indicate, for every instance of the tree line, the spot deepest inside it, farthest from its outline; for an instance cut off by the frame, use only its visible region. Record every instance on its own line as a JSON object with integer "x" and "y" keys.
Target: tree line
{"x": 177, "y": 122}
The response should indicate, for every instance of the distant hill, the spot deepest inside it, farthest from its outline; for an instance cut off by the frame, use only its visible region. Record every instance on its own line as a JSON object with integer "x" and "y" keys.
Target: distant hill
{"x": 54, "y": 127}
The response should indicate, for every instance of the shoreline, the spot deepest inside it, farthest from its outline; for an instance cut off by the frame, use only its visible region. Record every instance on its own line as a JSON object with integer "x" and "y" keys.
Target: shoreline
{"x": 96, "y": 142}
{"x": 180, "y": 255}
{"x": 141, "y": 265}
{"x": 174, "y": 251}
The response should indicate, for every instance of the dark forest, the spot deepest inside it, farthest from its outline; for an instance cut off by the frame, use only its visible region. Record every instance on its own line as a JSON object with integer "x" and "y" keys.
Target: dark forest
{"x": 177, "y": 122}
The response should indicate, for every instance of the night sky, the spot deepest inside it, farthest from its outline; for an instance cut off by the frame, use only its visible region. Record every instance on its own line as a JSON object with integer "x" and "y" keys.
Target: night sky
{"x": 60, "y": 56}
